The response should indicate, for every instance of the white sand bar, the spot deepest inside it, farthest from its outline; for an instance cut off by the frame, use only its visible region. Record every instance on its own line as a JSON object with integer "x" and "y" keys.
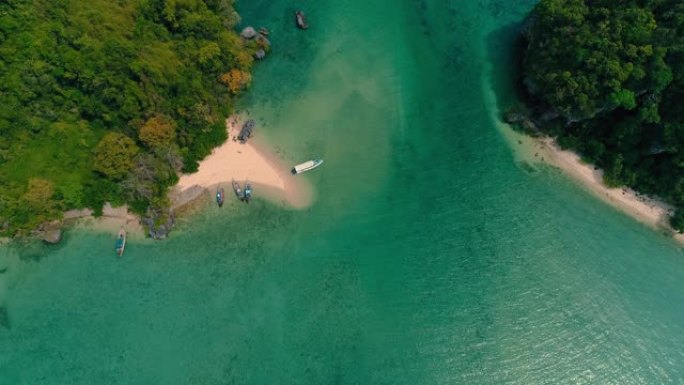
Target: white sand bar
{"x": 248, "y": 162}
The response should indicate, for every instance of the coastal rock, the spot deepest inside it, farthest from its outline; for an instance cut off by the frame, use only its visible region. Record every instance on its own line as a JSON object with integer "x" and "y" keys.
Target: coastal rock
{"x": 522, "y": 119}
{"x": 189, "y": 199}
{"x": 514, "y": 117}
{"x": 158, "y": 224}
{"x": 262, "y": 41}
{"x": 530, "y": 126}
{"x": 50, "y": 232}
{"x": 260, "y": 54}
{"x": 52, "y": 236}
{"x": 300, "y": 19}
{"x": 248, "y": 33}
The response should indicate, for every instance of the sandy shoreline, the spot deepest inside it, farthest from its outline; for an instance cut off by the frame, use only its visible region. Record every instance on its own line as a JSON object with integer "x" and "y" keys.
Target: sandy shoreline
{"x": 112, "y": 219}
{"x": 270, "y": 178}
{"x": 647, "y": 210}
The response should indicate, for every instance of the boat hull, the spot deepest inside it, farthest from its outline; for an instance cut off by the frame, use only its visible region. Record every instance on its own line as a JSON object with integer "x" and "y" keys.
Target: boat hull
{"x": 306, "y": 166}
{"x": 121, "y": 242}
{"x": 237, "y": 190}
{"x": 248, "y": 193}
{"x": 219, "y": 197}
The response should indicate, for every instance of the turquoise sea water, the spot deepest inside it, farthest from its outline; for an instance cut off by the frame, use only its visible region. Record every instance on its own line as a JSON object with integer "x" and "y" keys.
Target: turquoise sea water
{"x": 429, "y": 257}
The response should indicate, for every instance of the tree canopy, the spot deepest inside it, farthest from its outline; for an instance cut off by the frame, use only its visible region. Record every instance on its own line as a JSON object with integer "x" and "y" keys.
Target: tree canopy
{"x": 90, "y": 89}
{"x": 613, "y": 74}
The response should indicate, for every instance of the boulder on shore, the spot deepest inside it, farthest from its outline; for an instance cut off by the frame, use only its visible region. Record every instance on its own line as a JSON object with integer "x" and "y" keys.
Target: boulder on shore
{"x": 248, "y": 33}
{"x": 158, "y": 223}
{"x": 49, "y": 232}
{"x": 262, "y": 41}
{"x": 52, "y": 236}
{"x": 513, "y": 117}
{"x": 260, "y": 54}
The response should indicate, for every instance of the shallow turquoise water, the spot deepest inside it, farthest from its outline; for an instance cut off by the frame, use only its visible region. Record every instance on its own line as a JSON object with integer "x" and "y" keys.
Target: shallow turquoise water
{"x": 429, "y": 257}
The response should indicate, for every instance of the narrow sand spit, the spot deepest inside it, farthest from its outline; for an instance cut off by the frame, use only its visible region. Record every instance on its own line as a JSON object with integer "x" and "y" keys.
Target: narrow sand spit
{"x": 647, "y": 210}
{"x": 233, "y": 160}
{"x": 248, "y": 162}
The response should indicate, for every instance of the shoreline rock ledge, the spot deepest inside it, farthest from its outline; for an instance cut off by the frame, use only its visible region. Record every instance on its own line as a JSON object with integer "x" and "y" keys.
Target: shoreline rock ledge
{"x": 50, "y": 232}
{"x": 248, "y": 33}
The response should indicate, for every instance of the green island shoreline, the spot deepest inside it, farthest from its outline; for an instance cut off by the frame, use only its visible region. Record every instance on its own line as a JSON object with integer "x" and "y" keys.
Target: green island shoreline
{"x": 615, "y": 107}
{"x": 110, "y": 102}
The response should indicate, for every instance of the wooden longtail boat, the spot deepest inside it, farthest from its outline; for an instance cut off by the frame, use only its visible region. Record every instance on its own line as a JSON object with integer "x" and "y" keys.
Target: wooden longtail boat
{"x": 237, "y": 190}
{"x": 219, "y": 196}
{"x": 121, "y": 242}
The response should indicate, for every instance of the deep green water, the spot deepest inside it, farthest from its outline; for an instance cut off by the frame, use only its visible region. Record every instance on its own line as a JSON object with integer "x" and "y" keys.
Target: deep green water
{"x": 429, "y": 257}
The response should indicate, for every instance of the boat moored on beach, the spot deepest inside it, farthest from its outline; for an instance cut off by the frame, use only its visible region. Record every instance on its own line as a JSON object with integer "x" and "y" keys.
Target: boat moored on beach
{"x": 237, "y": 189}
{"x": 306, "y": 166}
{"x": 121, "y": 242}
{"x": 248, "y": 192}
{"x": 219, "y": 196}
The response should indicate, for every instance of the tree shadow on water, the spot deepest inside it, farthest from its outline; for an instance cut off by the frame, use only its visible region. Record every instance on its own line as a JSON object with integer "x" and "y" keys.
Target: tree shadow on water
{"x": 505, "y": 50}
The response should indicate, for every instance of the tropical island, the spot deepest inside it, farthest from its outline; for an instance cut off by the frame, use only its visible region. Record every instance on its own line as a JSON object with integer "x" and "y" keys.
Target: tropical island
{"x": 606, "y": 80}
{"x": 110, "y": 101}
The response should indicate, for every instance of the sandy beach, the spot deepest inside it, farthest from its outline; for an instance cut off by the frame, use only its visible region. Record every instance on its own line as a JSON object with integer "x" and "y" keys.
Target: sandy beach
{"x": 112, "y": 219}
{"x": 270, "y": 178}
{"x": 251, "y": 162}
{"x": 647, "y": 210}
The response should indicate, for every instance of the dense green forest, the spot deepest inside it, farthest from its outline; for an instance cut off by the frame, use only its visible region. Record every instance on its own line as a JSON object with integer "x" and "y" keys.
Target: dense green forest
{"x": 607, "y": 78}
{"x": 107, "y": 100}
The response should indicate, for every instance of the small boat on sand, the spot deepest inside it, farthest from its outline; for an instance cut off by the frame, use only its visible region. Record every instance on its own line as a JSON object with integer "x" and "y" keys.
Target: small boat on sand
{"x": 301, "y": 20}
{"x": 237, "y": 189}
{"x": 306, "y": 166}
{"x": 248, "y": 192}
{"x": 121, "y": 242}
{"x": 219, "y": 196}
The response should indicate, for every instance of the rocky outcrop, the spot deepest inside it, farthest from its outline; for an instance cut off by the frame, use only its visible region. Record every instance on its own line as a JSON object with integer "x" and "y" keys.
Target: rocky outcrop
{"x": 189, "y": 199}
{"x": 158, "y": 223}
{"x": 513, "y": 117}
{"x": 262, "y": 42}
{"x": 248, "y": 33}
{"x": 53, "y": 236}
{"x": 300, "y": 19}
{"x": 49, "y": 232}
{"x": 522, "y": 119}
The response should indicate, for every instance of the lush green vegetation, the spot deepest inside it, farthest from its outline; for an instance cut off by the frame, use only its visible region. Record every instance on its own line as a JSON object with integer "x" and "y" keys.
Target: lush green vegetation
{"x": 106, "y": 100}
{"x": 607, "y": 78}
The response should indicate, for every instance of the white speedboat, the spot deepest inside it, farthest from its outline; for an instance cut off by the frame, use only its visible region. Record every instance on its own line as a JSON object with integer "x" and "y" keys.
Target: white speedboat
{"x": 306, "y": 166}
